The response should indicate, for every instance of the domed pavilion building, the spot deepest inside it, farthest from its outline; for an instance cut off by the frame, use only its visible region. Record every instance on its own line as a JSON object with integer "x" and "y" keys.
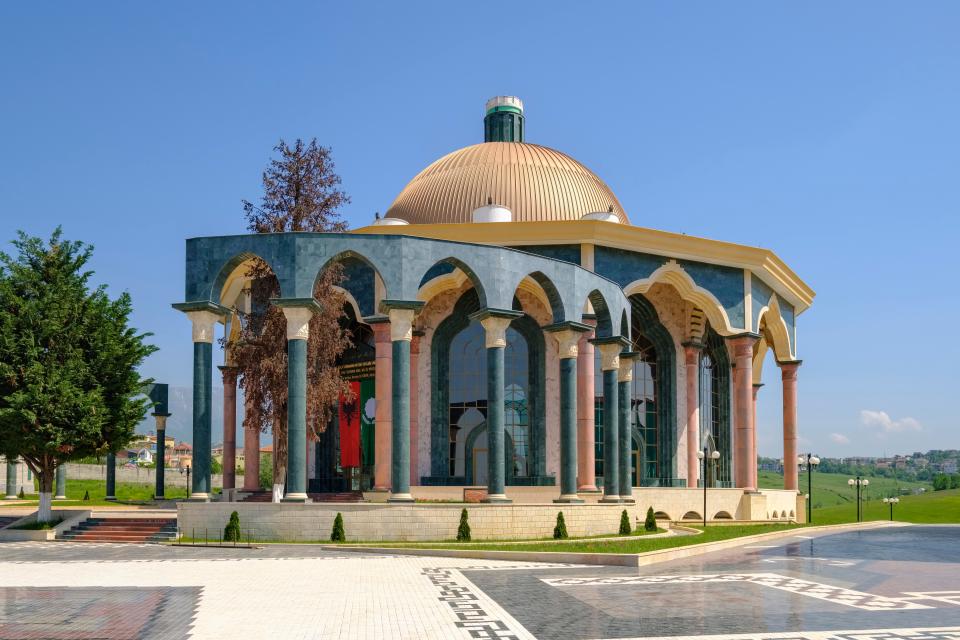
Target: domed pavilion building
{"x": 518, "y": 340}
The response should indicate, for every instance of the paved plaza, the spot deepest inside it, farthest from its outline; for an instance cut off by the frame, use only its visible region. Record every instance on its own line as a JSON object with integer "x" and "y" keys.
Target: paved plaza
{"x": 888, "y": 583}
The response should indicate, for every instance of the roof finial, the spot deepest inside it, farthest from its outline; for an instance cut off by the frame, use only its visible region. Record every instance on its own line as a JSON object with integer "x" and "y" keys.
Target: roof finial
{"x": 489, "y": 199}
{"x": 376, "y": 216}
{"x": 610, "y": 210}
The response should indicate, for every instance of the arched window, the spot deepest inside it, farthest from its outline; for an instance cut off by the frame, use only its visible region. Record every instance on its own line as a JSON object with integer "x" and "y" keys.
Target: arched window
{"x": 467, "y": 411}
{"x": 715, "y": 407}
{"x": 645, "y": 414}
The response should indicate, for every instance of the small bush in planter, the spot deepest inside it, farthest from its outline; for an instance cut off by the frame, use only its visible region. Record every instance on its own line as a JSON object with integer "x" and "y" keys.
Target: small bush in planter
{"x": 650, "y": 524}
{"x": 337, "y": 535}
{"x": 560, "y": 531}
{"x": 624, "y": 523}
{"x": 231, "y": 532}
{"x": 463, "y": 531}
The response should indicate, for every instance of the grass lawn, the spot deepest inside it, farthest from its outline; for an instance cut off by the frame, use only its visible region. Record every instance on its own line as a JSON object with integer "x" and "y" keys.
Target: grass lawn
{"x": 127, "y": 493}
{"x": 638, "y": 545}
{"x": 831, "y": 489}
{"x": 933, "y": 507}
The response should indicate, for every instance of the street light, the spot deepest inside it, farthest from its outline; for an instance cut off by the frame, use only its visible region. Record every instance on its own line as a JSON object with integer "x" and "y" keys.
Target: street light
{"x": 188, "y": 479}
{"x": 811, "y": 461}
{"x": 704, "y": 456}
{"x": 860, "y": 484}
{"x": 891, "y": 502}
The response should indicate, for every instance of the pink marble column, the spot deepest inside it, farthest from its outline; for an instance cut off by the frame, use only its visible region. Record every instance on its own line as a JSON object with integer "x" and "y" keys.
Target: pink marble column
{"x": 383, "y": 428}
{"x": 414, "y": 407}
{"x": 788, "y": 373}
{"x": 691, "y": 352}
{"x": 251, "y": 456}
{"x": 586, "y": 465}
{"x": 229, "y": 427}
{"x": 753, "y": 453}
{"x": 744, "y": 435}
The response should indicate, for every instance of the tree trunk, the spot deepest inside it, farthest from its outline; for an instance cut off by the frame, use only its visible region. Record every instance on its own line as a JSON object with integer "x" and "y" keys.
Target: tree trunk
{"x": 45, "y": 511}
{"x": 279, "y": 456}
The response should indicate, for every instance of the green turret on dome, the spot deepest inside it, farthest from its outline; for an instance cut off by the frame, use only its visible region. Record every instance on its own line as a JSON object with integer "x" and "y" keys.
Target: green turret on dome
{"x": 504, "y": 120}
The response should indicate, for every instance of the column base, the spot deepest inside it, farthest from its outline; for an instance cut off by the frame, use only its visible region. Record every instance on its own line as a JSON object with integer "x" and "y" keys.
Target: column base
{"x": 610, "y": 500}
{"x": 380, "y": 490}
{"x": 301, "y": 498}
{"x": 111, "y": 498}
{"x": 196, "y": 496}
{"x": 13, "y": 497}
{"x": 570, "y": 498}
{"x": 627, "y": 500}
{"x": 401, "y": 497}
{"x": 589, "y": 489}
{"x": 159, "y": 497}
{"x": 497, "y": 498}
{"x": 59, "y": 497}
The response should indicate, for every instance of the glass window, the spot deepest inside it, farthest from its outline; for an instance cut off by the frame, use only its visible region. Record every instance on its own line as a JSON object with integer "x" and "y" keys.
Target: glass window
{"x": 468, "y": 396}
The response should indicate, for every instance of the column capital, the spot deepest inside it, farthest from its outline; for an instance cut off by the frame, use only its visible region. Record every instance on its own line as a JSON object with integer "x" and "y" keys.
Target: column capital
{"x": 610, "y": 349}
{"x": 401, "y": 324}
{"x": 495, "y": 323}
{"x": 298, "y": 322}
{"x": 568, "y": 336}
{"x": 229, "y": 373}
{"x": 691, "y": 352}
{"x": 743, "y": 344}
{"x": 625, "y": 372}
{"x": 203, "y": 315}
{"x": 788, "y": 368}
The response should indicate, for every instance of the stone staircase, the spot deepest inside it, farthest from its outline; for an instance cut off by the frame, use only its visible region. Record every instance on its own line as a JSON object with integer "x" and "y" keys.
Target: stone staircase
{"x": 134, "y": 530}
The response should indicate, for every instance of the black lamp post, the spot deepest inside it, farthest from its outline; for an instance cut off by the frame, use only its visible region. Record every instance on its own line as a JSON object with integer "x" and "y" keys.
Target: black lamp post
{"x": 891, "y": 502}
{"x": 860, "y": 484}
{"x": 187, "y": 469}
{"x": 811, "y": 461}
{"x": 704, "y": 456}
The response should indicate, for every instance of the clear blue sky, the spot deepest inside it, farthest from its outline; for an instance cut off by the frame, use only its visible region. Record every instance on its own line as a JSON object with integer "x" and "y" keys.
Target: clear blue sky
{"x": 829, "y": 132}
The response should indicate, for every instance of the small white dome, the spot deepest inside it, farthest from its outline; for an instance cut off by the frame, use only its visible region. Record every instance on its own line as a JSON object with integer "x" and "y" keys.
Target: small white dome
{"x": 389, "y": 222}
{"x": 492, "y": 213}
{"x": 603, "y": 216}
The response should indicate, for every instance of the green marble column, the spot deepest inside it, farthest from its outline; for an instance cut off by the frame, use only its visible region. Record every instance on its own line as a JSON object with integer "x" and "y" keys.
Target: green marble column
{"x": 11, "y": 479}
{"x": 61, "y": 489}
{"x": 626, "y": 481}
{"x": 568, "y": 430}
{"x": 496, "y": 469}
{"x": 202, "y": 417}
{"x": 400, "y": 428}
{"x": 111, "y": 477}
{"x": 611, "y": 439}
{"x": 296, "y": 490}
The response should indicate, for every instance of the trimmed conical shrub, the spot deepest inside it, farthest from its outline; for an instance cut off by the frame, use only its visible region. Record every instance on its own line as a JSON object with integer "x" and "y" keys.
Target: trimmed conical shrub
{"x": 231, "y": 533}
{"x": 20, "y": 495}
{"x": 463, "y": 531}
{"x": 650, "y": 524}
{"x": 86, "y": 495}
{"x": 624, "y": 523}
{"x": 337, "y": 535}
{"x": 560, "y": 531}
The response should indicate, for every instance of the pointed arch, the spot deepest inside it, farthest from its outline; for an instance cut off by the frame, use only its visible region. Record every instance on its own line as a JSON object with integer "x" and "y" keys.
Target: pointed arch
{"x": 437, "y": 278}
{"x": 774, "y": 329}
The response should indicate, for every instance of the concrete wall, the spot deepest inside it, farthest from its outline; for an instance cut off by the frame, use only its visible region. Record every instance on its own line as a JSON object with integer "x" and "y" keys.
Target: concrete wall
{"x": 424, "y": 521}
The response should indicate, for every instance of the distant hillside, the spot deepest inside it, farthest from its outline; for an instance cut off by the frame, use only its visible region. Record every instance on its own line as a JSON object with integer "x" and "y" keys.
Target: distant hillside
{"x": 831, "y": 489}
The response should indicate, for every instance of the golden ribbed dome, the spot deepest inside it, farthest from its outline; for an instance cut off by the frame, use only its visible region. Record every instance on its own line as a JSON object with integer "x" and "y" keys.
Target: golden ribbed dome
{"x": 536, "y": 183}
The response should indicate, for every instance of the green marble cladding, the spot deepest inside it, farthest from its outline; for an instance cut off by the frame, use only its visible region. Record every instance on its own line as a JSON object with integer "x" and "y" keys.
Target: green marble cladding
{"x": 496, "y": 474}
{"x": 402, "y": 262}
{"x": 624, "y": 436}
{"x": 11, "y": 477}
{"x": 202, "y": 415}
{"x": 611, "y": 436}
{"x": 568, "y": 426}
{"x": 296, "y": 416}
{"x": 761, "y": 293}
{"x": 565, "y": 252}
{"x": 400, "y": 407}
{"x": 725, "y": 283}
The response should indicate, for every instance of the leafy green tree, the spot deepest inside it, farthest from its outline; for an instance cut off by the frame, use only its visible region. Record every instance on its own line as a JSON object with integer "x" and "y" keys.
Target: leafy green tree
{"x": 69, "y": 386}
{"x": 463, "y": 531}
{"x": 624, "y": 523}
